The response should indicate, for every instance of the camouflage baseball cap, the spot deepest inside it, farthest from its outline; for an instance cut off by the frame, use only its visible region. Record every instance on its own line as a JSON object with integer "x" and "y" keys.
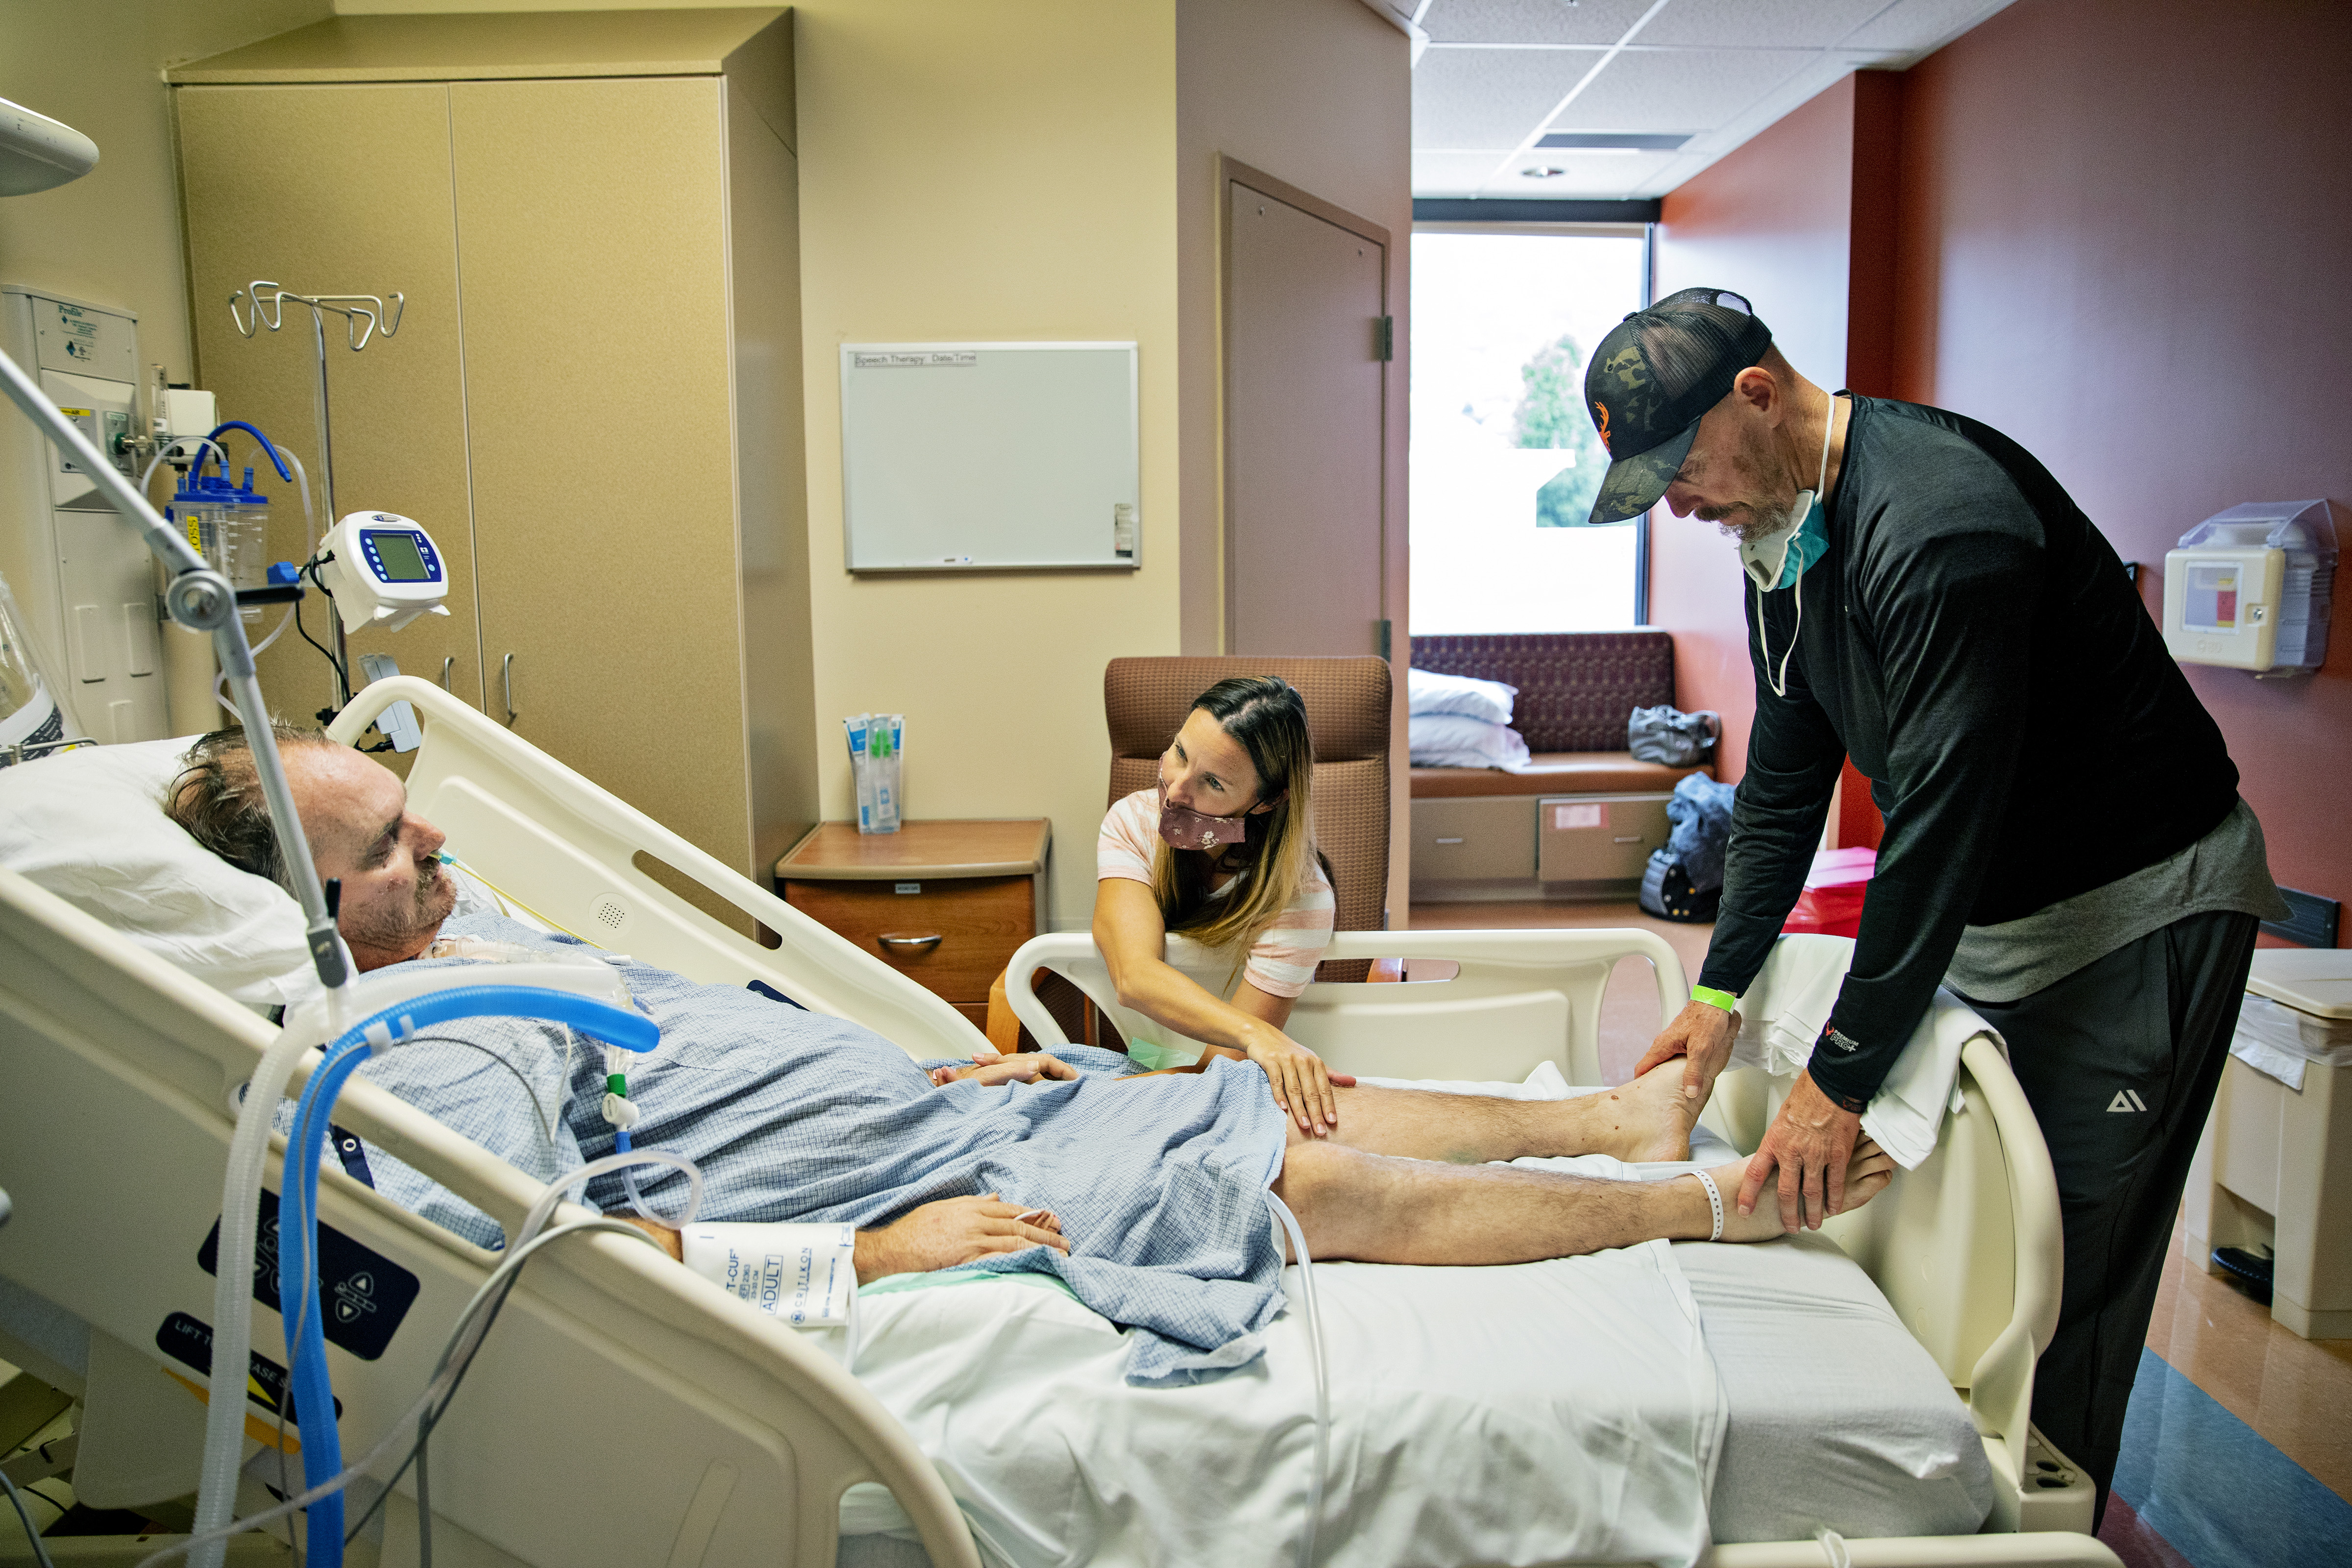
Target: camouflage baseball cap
{"x": 1652, "y": 378}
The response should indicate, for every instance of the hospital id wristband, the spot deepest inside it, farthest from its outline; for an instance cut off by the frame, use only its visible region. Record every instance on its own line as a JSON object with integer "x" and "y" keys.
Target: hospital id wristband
{"x": 1713, "y": 998}
{"x": 803, "y": 1275}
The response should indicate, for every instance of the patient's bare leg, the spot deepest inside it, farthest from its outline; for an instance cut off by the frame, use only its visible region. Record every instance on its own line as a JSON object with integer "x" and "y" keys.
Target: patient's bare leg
{"x": 1374, "y": 1208}
{"x": 1649, "y": 1119}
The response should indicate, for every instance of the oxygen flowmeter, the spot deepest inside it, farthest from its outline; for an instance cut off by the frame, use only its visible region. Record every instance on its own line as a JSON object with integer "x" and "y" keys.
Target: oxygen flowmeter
{"x": 384, "y": 571}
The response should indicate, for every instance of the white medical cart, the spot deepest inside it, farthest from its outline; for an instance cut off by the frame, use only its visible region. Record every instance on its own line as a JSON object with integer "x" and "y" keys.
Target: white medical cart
{"x": 2274, "y": 1167}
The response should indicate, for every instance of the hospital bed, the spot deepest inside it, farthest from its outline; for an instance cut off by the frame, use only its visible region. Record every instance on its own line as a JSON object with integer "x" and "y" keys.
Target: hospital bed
{"x": 625, "y": 1411}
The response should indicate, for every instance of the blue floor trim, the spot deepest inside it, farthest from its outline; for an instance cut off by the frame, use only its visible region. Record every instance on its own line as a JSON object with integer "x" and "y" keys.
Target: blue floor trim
{"x": 2215, "y": 1488}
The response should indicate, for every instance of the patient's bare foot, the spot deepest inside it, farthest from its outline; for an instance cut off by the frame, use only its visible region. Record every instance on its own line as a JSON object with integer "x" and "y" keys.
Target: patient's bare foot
{"x": 1865, "y": 1178}
{"x": 1654, "y": 1117}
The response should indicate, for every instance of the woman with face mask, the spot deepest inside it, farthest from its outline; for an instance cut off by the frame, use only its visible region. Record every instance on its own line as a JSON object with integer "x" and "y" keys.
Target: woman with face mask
{"x": 1222, "y": 850}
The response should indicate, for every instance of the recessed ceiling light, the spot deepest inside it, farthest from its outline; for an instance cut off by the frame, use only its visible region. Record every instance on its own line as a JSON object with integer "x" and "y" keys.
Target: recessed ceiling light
{"x": 1541, "y": 172}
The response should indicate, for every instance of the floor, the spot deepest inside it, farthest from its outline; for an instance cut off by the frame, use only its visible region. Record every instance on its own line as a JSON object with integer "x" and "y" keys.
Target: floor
{"x": 2238, "y": 1450}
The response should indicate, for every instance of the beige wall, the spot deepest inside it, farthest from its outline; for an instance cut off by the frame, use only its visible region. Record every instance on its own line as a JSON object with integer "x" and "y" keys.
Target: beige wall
{"x": 1046, "y": 171}
{"x": 976, "y": 173}
{"x": 1318, "y": 93}
{"x": 113, "y": 235}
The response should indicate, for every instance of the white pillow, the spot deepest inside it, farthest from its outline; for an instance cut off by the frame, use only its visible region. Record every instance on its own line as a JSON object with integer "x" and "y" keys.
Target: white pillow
{"x": 88, "y": 826}
{"x": 1455, "y": 740}
{"x": 1426, "y": 691}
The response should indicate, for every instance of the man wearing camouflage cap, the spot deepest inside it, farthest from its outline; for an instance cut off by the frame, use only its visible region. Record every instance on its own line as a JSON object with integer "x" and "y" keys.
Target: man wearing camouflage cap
{"x": 2065, "y": 845}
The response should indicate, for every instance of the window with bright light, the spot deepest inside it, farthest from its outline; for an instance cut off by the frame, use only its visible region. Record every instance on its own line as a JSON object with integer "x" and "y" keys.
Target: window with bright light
{"x": 1505, "y": 459}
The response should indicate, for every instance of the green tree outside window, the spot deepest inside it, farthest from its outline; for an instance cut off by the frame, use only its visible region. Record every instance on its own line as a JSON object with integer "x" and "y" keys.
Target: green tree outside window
{"x": 1551, "y": 416}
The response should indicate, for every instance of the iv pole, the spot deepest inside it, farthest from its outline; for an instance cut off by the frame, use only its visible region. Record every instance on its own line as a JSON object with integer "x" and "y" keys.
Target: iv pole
{"x": 365, "y": 316}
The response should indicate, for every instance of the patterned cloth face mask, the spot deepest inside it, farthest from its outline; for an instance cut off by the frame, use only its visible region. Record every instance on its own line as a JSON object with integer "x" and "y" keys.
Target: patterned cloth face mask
{"x": 1184, "y": 828}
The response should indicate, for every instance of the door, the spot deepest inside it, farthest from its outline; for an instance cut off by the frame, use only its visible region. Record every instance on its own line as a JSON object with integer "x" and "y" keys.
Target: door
{"x": 338, "y": 189}
{"x": 1306, "y": 296}
{"x": 591, "y": 215}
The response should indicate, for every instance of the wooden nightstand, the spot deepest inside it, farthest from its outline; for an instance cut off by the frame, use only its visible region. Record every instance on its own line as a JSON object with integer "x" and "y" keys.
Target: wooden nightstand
{"x": 943, "y": 902}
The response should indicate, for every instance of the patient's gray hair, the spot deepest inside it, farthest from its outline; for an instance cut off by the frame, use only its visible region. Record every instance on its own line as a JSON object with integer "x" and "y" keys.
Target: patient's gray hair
{"x": 217, "y": 798}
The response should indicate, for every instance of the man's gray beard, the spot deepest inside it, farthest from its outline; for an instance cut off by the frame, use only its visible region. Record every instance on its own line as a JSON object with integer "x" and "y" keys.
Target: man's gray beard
{"x": 1759, "y": 523}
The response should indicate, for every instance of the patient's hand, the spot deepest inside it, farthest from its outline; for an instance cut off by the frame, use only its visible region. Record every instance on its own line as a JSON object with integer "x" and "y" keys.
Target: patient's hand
{"x": 952, "y": 1231}
{"x": 1703, "y": 1037}
{"x": 990, "y": 1069}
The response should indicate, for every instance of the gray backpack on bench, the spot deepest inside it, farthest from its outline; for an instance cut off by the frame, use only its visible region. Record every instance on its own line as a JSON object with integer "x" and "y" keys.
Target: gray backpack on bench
{"x": 1675, "y": 738}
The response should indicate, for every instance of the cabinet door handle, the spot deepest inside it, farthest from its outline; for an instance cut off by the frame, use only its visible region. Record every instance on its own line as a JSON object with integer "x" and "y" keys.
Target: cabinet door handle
{"x": 448, "y": 664}
{"x": 1449, "y": 841}
{"x": 506, "y": 670}
{"x": 1627, "y": 839}
{"x": 909, "y": 945}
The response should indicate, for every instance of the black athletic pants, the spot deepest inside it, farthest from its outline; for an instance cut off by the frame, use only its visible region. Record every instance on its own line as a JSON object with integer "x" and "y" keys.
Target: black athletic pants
{"x": 2120, "y": 1060}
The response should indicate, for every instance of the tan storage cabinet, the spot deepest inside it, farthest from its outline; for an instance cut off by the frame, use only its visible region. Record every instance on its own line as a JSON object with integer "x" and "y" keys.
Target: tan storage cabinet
{"x": 593, "y": 400}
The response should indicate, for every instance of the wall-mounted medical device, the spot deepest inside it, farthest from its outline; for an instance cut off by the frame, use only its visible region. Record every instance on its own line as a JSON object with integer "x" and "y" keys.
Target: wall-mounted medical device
{"x": 384, "y": 571}
{"x": 85, "y": 584}
{"x": 2251, "y": 588}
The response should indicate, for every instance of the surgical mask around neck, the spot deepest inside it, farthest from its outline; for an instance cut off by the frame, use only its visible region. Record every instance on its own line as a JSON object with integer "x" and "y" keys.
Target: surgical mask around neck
{"x": 1786, "y": 554}
{"x": 1183, "y": 828}
{"x": 1768, "y": 560}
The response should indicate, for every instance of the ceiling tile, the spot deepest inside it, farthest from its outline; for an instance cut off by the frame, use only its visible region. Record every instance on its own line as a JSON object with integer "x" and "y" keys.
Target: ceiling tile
{"x": 1749, "y": 24}
{"x": 1679, "y": 89}
{"x": 1532, "y": 21}
{"x": 1453, "y": 173}
{"x": 1490, "y": 97}
{"x": 1912, "y": 28}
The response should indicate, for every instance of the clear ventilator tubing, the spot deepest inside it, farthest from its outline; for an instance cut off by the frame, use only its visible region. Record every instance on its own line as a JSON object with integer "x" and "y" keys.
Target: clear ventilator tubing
{"x": 200, "y": 599}
{"x": 232, "y": 1294}
{"x": 1322, "y": 1376}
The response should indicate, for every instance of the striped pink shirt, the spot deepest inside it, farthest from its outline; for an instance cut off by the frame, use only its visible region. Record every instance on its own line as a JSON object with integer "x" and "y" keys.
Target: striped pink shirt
{"x": 1283, "y": 958}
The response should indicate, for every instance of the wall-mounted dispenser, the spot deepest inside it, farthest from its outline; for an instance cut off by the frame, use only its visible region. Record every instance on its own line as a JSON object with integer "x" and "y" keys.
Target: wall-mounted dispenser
{"x": 2252, "y": 588}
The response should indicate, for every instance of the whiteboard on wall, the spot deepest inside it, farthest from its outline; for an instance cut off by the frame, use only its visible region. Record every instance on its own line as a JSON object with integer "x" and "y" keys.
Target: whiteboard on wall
{"x": 978, "y": 457}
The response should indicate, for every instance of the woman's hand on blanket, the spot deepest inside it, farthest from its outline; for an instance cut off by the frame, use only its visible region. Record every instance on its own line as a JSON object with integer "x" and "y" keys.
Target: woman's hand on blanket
{"x": 952, "y": 1231}
{"x": 989, "y": 1069}
{"x": 1703, "y": 1037}
{"x": 1812, "y": 1144}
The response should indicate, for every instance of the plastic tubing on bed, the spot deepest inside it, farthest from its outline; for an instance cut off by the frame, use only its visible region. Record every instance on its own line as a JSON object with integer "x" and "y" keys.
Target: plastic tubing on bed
{"x": 1322, "y": 1376}
{"x": 298, "y": 1295}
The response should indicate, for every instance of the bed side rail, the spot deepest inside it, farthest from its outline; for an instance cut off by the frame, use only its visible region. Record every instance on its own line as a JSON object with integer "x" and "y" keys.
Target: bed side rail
{"x": 736, "y": 1436}
{"x": 567, "y": 849}
{"x": 1519, "y": 998}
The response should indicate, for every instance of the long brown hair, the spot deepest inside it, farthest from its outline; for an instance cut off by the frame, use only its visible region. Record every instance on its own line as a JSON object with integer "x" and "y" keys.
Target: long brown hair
{"x": 1268, "y": 716}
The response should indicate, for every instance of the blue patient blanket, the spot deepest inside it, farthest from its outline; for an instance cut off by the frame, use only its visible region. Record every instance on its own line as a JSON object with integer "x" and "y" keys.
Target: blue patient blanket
{"x": 798, "y": 1116}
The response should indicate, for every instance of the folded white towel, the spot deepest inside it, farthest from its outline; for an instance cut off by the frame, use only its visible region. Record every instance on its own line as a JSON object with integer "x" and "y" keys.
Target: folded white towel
{"x": 1782, "y": 1015}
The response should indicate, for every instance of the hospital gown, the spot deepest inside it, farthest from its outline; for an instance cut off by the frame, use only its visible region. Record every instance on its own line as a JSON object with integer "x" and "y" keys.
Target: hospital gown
{"x": 800, "y": 1116}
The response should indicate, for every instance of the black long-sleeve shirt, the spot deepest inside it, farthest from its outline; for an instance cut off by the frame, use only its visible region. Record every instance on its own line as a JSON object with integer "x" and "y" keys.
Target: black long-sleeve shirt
{"x": 1971, "y": 641}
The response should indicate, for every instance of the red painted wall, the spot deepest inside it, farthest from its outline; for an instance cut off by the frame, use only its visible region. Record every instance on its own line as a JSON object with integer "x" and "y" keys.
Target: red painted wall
{"x": 2123, "y": 236}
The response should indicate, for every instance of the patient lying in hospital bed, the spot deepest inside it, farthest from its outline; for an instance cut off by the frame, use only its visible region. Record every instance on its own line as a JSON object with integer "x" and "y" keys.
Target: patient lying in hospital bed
{"x": 1151, "y": 1190}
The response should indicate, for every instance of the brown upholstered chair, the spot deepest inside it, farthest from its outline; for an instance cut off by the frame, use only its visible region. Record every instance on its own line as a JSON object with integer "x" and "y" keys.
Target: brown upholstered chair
{"x": 1145, "y": 701}
{"x": 1347, "y": 702}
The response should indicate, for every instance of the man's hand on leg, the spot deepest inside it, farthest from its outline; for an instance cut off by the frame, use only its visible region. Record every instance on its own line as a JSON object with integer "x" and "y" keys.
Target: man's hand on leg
{"x": 1703, "y": 1037}
{"x": 952, "y": 1231}
{"x": 1811, "y": 1144}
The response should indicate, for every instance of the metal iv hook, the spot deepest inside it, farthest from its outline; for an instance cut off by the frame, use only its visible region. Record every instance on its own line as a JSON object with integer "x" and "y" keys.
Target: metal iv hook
{"x": 364, "y": 315}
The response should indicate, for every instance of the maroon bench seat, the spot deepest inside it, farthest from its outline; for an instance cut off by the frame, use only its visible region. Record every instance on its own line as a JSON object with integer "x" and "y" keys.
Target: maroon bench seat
{"x": 1576, "y": 691}
{"x": 1583, "y": 821}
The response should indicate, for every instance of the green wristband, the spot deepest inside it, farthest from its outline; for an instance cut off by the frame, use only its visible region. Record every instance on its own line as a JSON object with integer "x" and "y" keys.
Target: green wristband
{"x": 1713, "y": 998}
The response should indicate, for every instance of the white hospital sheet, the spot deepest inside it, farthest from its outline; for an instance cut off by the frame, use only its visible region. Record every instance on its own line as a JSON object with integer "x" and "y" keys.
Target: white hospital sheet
{"x": 1626, "y": 1406}
{"x": 1839, "y": 1417}
{"x": 1535, "y": 1414}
